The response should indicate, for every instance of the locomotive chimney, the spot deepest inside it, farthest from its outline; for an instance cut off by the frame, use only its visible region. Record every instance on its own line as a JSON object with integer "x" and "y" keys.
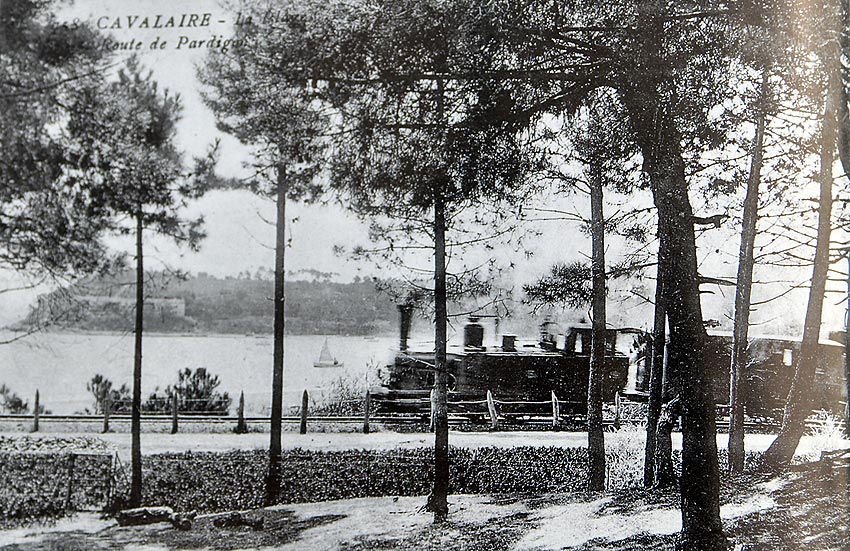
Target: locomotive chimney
{"x": 473, "y": 334}
{"x": 405, "y": 317}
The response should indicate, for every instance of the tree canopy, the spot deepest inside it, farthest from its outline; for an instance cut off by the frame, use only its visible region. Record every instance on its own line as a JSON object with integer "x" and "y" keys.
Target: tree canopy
{"x": 44, "y": 64}
{"x": 125, "y": 146}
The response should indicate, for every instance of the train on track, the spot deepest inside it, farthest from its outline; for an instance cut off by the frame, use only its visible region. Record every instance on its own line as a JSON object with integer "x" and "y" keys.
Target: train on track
{"x": 528, "y": 374}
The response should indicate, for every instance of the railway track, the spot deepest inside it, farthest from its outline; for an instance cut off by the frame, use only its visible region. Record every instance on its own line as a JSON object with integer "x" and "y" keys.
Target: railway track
{"x": 505, "y": 422}
{"x": 489, "y": 413}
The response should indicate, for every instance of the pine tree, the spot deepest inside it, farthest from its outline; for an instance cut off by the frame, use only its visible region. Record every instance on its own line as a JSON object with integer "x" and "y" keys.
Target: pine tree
{"x": 47, "y": 232}
{"x": 277, "y": 119}
{"x": 127, "y": 148}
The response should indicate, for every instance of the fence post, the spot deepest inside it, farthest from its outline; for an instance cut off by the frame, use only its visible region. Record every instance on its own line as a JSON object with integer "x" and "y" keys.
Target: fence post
{"x": 174, "y": 414}
{"x": 367, "y": 405}
{"x": 433, "y": 412}
{"x": 556, "y": 411}
{"x": 491, "y": 409}
{"x": 107, "y": 406}
{"x": 36, "y": 413}
{"x": 110, "y": 485}
{"x": 304, "y": 405}
{"x": 241, "y": 426}
{"x": 617, "y": 410}
{"x": 71, "y": 458}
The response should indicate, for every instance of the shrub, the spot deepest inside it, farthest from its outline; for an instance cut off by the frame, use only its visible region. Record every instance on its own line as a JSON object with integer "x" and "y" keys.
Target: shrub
{"x": 119, "y": 400}
{"x": 195, "y": 391}
{"x": 624, "y": 457}
{"x": 10, "y": 402}
{"x": 827, "y": 433}
{"x": 344, "y": 395}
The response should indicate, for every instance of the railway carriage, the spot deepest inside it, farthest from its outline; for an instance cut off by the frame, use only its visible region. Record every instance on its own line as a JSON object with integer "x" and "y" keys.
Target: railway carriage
{"x": 769, "y": 372}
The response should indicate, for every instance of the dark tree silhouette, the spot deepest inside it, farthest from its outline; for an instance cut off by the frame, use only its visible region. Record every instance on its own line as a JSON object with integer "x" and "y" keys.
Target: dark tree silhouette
{"x": 48, "y": 233}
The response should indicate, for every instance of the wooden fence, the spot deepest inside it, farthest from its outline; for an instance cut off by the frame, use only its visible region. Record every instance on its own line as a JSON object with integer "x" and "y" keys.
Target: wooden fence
{"x": 496, "y": 413}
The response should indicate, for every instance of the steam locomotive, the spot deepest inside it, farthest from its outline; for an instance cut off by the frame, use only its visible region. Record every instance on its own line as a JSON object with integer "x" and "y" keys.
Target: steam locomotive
{"x": 524, "y": 373}
{"x": 527, "y": 374}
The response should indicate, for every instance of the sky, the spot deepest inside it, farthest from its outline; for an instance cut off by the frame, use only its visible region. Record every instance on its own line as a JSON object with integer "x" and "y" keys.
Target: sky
{"x": 239, "y": 235}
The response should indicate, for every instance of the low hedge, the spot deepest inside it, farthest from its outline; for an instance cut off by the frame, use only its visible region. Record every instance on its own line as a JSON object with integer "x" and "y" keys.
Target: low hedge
{"x": 35, "y": 486}
{"x": 214, "y": 481}
{"x": 211, "y": 481}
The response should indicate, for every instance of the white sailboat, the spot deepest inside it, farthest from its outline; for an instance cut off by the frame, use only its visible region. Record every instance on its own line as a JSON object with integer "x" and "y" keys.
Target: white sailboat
{"x": 326, "y": 359}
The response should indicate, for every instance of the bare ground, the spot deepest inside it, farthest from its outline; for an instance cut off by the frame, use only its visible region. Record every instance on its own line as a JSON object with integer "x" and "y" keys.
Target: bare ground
{"x": 153, "y": 443}
{"x": 807, "y": 508}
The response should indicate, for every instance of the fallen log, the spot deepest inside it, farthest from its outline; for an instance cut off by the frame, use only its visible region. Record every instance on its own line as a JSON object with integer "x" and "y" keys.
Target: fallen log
{"x": 144, "y": 515}
{"x": 153, "y": 515}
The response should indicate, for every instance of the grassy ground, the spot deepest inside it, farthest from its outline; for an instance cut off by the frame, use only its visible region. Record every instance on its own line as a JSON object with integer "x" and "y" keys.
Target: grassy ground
{"x": 280, "y": 527}
{"x": 811, "y": 511}
{"x": 807, "y": 508}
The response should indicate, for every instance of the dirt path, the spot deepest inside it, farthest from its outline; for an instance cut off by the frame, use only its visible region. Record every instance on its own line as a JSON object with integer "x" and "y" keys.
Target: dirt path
{"x": 159, "y": 443}
{"x": 370, "y": 523}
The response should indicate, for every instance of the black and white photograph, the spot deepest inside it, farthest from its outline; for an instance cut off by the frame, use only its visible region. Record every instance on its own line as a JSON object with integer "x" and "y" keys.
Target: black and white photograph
{"x": 432, "y": 275}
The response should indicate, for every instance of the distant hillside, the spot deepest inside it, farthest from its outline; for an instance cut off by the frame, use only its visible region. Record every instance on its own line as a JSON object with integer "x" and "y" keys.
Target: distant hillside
{"x": 206, "y": 304}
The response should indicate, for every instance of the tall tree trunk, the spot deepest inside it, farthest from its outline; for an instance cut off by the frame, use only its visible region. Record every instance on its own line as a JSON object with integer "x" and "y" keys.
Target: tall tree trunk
{"x": 595, "y": 434}
{"x": 136, "y": 417}
{"x": 847, "y": 355}
{"x": 273, "y": 478}
{"x": 438, "y": 501}
{"x": 743, "y": 291}
{"x": 649, "y": 101}
{"x": 843, "y": 114}
{"x": 700, "y": 480}
{"x": 656, "y": 372}
{"x": 799, "y": 402}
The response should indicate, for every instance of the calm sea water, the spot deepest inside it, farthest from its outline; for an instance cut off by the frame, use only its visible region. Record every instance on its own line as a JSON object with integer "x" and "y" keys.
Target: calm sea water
{"x": 60, "y": 364}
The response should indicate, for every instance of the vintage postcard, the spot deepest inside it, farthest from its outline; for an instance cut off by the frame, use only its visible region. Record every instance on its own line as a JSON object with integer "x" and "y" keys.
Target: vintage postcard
{"x": 424, "y": 274}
